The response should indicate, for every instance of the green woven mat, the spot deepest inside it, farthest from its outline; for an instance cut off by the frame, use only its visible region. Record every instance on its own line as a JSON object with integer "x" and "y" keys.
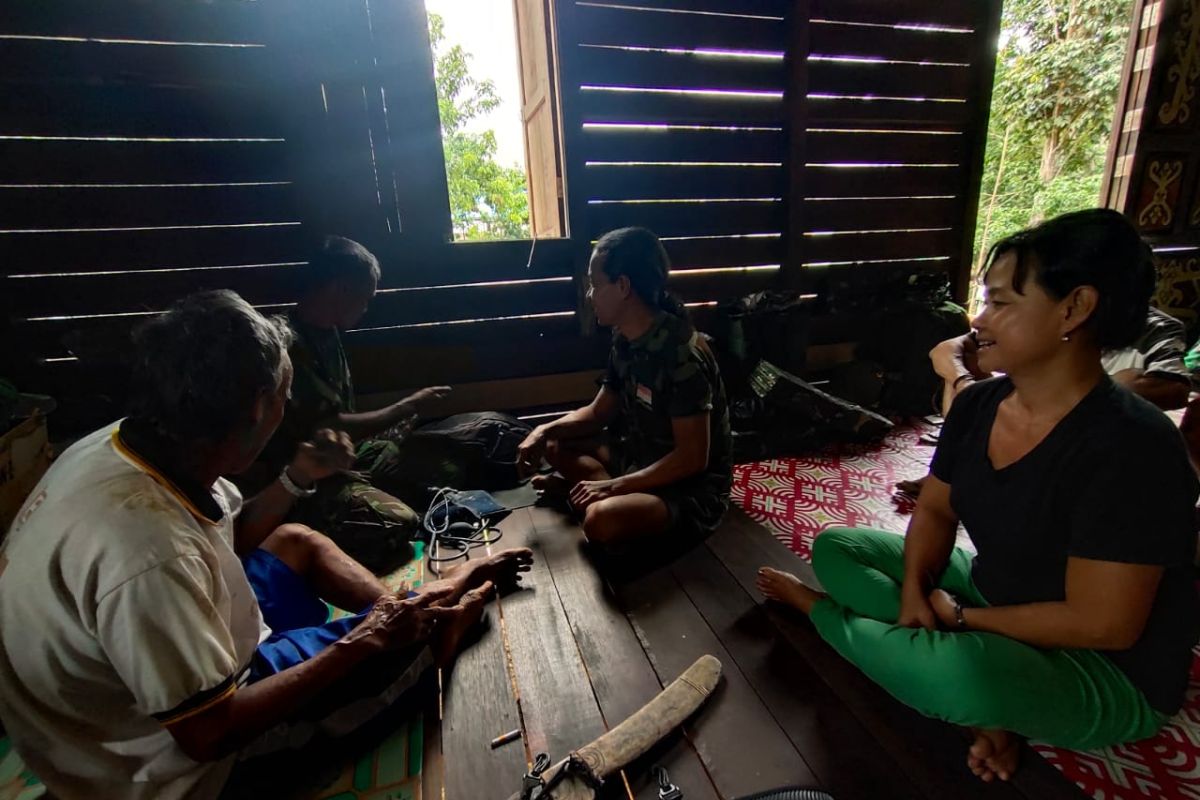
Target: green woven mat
{"x": 411, "y": 575}
{"x": 391, "y": 771}
{"x": 16, "y": 782}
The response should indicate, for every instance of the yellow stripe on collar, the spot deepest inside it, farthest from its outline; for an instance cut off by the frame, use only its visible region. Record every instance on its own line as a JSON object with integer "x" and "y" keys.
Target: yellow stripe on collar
{"x": 162, "y": 480}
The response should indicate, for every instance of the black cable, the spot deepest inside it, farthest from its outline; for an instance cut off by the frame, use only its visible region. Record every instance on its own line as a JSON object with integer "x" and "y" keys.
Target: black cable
{"x": 458, "y": 537}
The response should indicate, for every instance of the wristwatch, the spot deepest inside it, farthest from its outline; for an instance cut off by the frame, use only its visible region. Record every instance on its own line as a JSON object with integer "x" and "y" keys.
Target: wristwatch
{"x": 292, "y": 488}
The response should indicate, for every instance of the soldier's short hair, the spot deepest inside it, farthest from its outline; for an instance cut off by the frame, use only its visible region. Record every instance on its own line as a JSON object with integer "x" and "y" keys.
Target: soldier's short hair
{"x": 200, "y": 366}
{"x": 337, "y": 258}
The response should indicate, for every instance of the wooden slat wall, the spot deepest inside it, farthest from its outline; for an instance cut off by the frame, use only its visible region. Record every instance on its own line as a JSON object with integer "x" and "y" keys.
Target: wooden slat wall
{"x": 674, "y": 119}
{"x": 160, "y": 148}
{"x": 811, "y": 136}
{"x": 142, "y": 156}
{"x": 888, "y": 119}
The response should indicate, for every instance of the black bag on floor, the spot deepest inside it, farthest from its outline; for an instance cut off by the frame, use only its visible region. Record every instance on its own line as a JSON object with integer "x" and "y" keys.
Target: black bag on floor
{"x": 789, "y": 416}
{"x": 466, "y": 451}
{"x": 771, "y": 325}
{"x": 901, "y": 345}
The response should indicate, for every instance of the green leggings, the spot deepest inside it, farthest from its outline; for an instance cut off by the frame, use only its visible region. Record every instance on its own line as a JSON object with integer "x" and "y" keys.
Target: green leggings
{"x": 1069, "y": 698}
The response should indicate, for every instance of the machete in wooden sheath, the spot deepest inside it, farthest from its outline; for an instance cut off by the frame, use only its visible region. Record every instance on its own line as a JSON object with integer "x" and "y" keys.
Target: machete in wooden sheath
{"x": 578, "y": 775}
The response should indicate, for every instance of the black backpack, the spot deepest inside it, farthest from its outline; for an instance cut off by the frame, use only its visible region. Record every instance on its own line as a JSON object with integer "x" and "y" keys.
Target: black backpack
{"x": 466, "y": 451}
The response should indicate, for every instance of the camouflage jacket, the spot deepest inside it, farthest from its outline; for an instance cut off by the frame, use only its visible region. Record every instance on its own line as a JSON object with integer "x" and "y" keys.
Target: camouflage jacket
{"x": 667, "y": 372}
{"x": 321, "y": 388}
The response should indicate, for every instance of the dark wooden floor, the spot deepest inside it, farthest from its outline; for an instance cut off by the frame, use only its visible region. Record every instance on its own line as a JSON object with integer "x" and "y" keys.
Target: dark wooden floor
{"x": 574, "y": 654}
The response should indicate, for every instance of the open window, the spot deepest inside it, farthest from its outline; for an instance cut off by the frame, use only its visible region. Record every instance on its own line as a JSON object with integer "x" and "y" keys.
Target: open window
{"x": 498, "y": 104}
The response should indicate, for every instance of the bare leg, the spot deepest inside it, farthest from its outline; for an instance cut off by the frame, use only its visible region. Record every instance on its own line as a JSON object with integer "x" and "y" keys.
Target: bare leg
{"x": 451, "y": 633}
{"x": 624, "y": 518}
{"x": 575, "y": 461}
{"x": 336, "y": 577}
{"x": 786, "y": 588}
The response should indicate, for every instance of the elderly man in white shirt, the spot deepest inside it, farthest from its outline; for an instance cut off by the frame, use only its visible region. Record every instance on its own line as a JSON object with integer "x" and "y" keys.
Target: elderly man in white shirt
{"x": 153, "y": 626}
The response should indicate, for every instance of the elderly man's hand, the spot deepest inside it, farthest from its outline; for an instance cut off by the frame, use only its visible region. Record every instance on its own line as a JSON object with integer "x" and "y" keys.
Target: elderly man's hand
{"x": 393, "y": 623}
{"x": 326, "y": 453}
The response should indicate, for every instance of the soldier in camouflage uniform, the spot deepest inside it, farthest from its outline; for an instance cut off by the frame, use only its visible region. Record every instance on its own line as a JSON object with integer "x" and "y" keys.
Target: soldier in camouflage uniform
{"x": 370, "y": 524}
{"x": 651, "y": 454}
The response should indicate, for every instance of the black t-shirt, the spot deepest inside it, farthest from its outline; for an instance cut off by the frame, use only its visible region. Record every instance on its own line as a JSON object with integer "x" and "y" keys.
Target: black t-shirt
{"x": 1110, "y": 482}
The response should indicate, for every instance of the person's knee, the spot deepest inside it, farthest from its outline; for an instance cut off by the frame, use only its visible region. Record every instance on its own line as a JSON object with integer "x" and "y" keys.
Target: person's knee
{"x": 601, "y": 523}
{"x": 977, "y": 699}
{"x": 832, "y": 544}
{"x": 295, "y": 544}
{"x": 553, "y": 453}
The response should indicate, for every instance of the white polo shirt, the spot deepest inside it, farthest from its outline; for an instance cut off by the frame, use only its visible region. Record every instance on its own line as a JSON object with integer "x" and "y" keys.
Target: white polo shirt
{"x": 122, "y": 608}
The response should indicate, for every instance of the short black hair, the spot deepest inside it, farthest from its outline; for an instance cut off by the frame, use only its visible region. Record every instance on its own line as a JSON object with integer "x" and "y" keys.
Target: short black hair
{"x": 200, "y": 366}
{"x": 1097, "y": 247}
{"x": 337, "y": 258}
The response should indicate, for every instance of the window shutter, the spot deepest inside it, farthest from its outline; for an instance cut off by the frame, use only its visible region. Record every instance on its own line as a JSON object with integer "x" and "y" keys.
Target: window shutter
{"x": 539, "y": 111}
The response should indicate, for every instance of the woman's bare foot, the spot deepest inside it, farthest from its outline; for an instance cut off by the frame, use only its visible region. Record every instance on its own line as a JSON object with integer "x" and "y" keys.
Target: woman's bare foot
{"x": 502, "y": 569}
{"x": 994, "y": 754}
{"x": 786, "y": 588}
{"x": 452, "y": 632}
{"x": 910, "y": 488}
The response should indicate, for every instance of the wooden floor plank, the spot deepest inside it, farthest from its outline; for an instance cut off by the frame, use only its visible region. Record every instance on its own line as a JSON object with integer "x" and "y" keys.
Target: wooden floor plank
{"x": 845, "y": 757}
{"x": 742, "y": 747}
{"x": 560, "y": 712}
{"x": 433, "y": 764}
{"x": 620, "y": 672}
{"x": 932, "y": 754}
{"x": 478, "y": 705}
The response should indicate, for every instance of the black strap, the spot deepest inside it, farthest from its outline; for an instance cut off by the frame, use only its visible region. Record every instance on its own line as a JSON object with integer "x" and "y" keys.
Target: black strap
{"x": 535, "y": 788}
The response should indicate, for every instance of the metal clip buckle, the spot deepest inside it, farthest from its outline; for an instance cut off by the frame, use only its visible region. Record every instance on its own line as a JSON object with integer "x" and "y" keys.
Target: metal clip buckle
{"x": 532, "y": 783}
{"x": 666, "y": 789}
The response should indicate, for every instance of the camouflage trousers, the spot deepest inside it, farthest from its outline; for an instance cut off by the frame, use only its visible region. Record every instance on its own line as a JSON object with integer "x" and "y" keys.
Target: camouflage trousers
{"x": 374, "y": 528}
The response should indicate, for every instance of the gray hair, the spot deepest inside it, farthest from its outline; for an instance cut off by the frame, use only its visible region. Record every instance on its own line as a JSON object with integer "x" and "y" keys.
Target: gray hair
{"x": 200, "y": 366}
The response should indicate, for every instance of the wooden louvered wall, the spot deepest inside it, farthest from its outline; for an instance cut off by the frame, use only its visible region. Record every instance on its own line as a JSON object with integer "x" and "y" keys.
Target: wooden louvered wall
{"x": 887, "y": 144}
{"x": 823, "y": 134}
{"x": 168, "y": 146}
{"x": 164, "y": 146}
{"x": 675, "y": 121}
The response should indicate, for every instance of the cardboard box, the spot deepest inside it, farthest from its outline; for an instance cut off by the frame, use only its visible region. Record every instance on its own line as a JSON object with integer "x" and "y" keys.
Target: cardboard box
{"x": 24, "y": 458}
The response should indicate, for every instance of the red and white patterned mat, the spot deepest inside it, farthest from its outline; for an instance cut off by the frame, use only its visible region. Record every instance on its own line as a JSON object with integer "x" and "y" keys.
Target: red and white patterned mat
{"x": 853, "y": 486}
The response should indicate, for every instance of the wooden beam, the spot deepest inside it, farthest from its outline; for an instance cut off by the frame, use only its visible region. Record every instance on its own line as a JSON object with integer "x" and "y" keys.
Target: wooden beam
{"x": 987, "y": 38}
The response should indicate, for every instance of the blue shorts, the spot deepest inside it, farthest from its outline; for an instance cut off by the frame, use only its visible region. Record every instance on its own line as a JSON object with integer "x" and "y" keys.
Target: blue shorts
{"x": 298, "y": 618}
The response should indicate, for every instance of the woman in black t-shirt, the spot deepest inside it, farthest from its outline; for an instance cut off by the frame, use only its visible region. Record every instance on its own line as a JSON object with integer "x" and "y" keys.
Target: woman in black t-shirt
{"x": 1074, "y": 623}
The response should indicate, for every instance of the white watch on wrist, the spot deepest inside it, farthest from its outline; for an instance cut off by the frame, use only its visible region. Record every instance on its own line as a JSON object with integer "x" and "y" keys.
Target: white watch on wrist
{"x": 290, "y": 486}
